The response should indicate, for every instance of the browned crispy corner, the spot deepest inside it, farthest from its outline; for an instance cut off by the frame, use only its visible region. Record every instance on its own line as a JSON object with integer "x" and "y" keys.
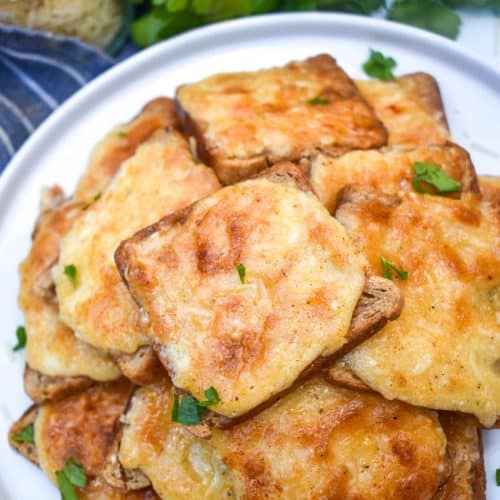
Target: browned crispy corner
{"x": 121, "y": 143}
{"x": 118, "y": 477}
{"x": 211, "y": 112}
{"x": 43, "y": 388}
{"x": 141, "y": 367}
{"x": 465, "y": 457}
{"x": 28, "y": 450}
{"x": 340, "y": 373}
{"x": 426, "y": 90}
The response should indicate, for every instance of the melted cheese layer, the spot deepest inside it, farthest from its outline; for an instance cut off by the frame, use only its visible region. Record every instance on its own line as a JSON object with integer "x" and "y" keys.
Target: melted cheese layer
{"x": 52, "y": 347}
{"x": 410, "y": 108}
{"x": 443, "y": 352}
{"x": 389, "y": 170}
{"x": 178, "y": 464}
{"x": 250, "y": 339}
{"x": 162, "y": 177}
{"x": 326, "y": 442}
{"x": 267, "y": 113}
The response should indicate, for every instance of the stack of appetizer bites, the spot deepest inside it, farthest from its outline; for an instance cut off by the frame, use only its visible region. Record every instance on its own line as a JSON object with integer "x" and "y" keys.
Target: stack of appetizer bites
{"x": 282, "y": 285}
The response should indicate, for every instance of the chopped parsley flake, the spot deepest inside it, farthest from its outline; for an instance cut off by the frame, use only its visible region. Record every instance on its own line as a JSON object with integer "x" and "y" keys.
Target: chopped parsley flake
{"x": 25, "y": 436}
{"x": 241, "y": 272}
{"x": 434, "y": 175}
{"x": 73, "y": 474}
{"x": 318, "y": 101}
{"x": 21, "y": 338}
{"x": 379, "y": 66}
{"x": 189, "y": 411}
{"x": 497, "y": 476}
{"x": 71, "y": 272}
{"x": 122, "y": 133}
{"x": 389, "y": 268}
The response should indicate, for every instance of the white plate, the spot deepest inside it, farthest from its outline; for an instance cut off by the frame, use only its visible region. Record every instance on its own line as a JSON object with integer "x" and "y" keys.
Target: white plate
{"x": 59, "y": 149}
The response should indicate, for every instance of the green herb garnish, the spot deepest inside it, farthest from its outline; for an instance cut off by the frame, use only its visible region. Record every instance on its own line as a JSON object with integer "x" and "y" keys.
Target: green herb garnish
{"x": 497, "y": 476}
{"x": 189, "y": 411}
{"x": 318, "y": 101}
{"x": 432, "y": 15}
{"x": 21, "y": 338}
{"x": 25, "y": 436}
{"x": 241, "y": 272}
{"x": 212, "y": 397}
{"x": 434, "y": 175}
{"x": 379, "y": 66}
{"x": 73, "y": 474}
{"x": 389, "y": 268}
{"x": 94, "y": 199}
{"x": 70, "y": 272}
{"x": 121, "y": 133}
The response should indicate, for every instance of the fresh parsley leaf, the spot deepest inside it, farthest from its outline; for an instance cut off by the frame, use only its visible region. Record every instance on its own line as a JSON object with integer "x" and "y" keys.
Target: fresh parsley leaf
{"x": 430, "y": 173}
{"x": 379, "y": 66}
{"x": 75, "y": 472}
{"x": 94, "y": 199}
{"x": 497, "y": 477}
{"x": 241, "y": 272}
{"x": 25, "y": 436}
{"x": 431, "y": 15}
{"x": 212, "y": 397}
{"x": 189, "y": 411}
{"x": 21, "y": 338}
{"x": 71, "y": 272}
{"x": 389, "y": 268}
{"x": 66, "y": 489}
{"x": 318, "y": 101}
{"x": 121, "y": 133}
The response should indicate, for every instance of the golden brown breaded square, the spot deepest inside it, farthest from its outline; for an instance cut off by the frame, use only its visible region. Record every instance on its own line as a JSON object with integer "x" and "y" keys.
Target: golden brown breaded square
{"x": 244, "y": 122}
{"x": 389, "y": 169}
{"x": 443, "y": 351}
{"x": 160, "y": 178}
{"x": 121, "y": 143}
{"x": 410, "y": 107}
{"x": 248, "y": 287}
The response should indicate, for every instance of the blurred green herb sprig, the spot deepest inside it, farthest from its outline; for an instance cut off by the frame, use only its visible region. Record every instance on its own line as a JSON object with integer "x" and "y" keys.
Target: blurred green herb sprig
{"x": 160, "y": 19}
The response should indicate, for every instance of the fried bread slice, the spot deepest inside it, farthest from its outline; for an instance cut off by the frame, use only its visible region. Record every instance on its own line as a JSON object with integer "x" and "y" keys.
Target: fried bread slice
{"x": 326, "y": 442}
{"x": 160, "y": 178}
{"x": 444, "y": 349}
{"x": 81, "y": 427}
{"x": 236, "y": 286}
{"x": 58, "y": 363}
{"x": 389, "y": 169}
{"x": 317, "y": 442}
{"x": 178, "y": 464}
{"x": 245, "y": 122}
{"x": 464, "y": 448}
{"x": 410, "y": 107}
{"x": 121, "y": 143}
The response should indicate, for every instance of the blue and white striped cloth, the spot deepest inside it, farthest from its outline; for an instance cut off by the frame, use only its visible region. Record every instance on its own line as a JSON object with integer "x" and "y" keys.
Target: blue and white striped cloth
{"x": 38, "y": 72}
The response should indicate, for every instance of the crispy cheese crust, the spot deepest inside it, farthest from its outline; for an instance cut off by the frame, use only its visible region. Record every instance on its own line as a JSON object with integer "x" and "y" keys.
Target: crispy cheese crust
{"x": 81, "y": 426}
{"x": 326, "y": 442}
{"x": 52, "y": 348}
{"x": 160, "y": 178}
{"x": 178, "y": 464}
{"x": 443, "y": 351}
{"x": 410, "y": 108}
{"x": 250, "y": 337}
{"x": 389, "y": 170}
{"x": 244, "y": 122}
{"x": 490, "y": 189}
{"x": 121, "y": 143}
